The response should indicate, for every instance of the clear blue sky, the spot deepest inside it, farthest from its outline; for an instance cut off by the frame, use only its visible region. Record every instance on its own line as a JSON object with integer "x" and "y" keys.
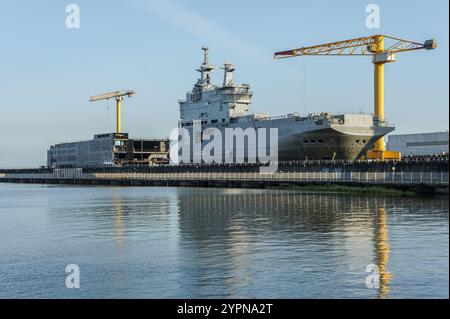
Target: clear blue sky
{"x": 48, "y": 72}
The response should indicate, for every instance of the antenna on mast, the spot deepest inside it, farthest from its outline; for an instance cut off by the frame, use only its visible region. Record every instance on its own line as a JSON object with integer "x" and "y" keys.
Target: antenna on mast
{"x": 205, "y": 70}
{"x": 205, "y": 54}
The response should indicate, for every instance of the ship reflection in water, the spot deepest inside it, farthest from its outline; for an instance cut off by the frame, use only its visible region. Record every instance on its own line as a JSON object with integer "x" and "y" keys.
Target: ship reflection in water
{"x": 238, "y": 227}
{"x": 201, "y": 243}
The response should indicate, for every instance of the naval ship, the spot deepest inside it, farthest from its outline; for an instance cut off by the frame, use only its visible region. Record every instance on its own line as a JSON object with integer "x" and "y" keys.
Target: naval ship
{"x": 317, "y": 136}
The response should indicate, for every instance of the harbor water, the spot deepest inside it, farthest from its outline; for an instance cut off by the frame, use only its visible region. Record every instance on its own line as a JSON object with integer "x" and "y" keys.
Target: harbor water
{"x": 162, "y": 242}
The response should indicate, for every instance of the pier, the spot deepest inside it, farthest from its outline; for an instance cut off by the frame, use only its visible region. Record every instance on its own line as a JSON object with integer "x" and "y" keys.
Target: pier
{"x": 427, "y": 177}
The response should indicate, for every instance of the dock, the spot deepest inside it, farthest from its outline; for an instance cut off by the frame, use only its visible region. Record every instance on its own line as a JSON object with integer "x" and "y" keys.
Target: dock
{"x": 418, "y": 177}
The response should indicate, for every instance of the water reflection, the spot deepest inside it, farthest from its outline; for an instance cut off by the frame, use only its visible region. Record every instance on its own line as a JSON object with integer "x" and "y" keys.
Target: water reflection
{"x": 118, "y": 223}
{"x": 197, "y": 243}
{"x": 348, "y": 232}
{"x": 382, "y": 250}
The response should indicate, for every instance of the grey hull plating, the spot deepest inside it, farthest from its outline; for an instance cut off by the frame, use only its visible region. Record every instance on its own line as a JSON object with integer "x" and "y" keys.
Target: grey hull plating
{"x": 328, "y": 144}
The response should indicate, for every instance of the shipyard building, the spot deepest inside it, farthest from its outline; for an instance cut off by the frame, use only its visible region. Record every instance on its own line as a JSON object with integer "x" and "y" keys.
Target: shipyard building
{"x": 422, "y": 144}
{"x": 111, "y": 149}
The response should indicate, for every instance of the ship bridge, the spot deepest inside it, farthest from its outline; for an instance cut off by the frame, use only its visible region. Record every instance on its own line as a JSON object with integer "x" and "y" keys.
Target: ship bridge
{"x": 212, "y": 104}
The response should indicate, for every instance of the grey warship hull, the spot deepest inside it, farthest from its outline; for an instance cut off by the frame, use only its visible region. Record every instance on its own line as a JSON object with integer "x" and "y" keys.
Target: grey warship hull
{"x": 309, "y": 138}
{"x": 336, "y": 144}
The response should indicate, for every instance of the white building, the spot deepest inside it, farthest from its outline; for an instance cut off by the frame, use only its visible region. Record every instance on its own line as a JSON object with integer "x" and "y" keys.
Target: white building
{"x": 419, "y": 144}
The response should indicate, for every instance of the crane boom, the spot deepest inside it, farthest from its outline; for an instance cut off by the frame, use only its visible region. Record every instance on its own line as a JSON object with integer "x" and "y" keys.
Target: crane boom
{"x": 383, "y": 49}
{"x": 111, "y": 95}
{"x": 358, "y": 46}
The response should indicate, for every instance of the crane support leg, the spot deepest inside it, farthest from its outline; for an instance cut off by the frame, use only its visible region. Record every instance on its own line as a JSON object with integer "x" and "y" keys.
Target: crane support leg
{"x": 379, "y": 100}
{"x": 118, "y": 110}
{"x": 379, "y": 149}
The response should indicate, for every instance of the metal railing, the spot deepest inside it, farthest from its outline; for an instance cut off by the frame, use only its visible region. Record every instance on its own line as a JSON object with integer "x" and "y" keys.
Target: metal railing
{"x": 408, "y": 178}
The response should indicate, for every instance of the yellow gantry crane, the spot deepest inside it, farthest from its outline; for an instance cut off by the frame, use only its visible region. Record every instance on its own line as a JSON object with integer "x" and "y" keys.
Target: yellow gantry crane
{"x": 118, "y": 95}
{"x": 383, "y": 49}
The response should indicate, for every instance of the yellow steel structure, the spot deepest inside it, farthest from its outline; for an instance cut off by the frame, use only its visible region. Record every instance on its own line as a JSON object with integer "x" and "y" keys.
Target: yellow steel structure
{"x": 118, "y": 95}
{"x": 383, "y": 49}
{"x": 118, "y": 115}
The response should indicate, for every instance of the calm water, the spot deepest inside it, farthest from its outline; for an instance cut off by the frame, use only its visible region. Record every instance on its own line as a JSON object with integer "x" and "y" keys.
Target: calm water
{"x": 203, "y": 243}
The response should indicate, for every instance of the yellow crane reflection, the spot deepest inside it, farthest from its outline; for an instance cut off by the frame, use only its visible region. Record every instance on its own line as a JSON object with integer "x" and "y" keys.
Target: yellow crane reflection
{"x": 382, "y": 253}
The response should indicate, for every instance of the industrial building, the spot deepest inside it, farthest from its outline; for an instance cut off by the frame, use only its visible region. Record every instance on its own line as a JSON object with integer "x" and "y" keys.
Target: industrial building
{"x": 422, "y": 144}
{"x": 111, "y": 149}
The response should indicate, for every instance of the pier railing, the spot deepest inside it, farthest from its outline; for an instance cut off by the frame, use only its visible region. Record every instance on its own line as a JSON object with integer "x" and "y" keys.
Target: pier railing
{"x": 393, "y": 178}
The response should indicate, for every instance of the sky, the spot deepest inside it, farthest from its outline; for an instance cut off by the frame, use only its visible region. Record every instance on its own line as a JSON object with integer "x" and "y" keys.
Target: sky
{"x": 48, "y": 71}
